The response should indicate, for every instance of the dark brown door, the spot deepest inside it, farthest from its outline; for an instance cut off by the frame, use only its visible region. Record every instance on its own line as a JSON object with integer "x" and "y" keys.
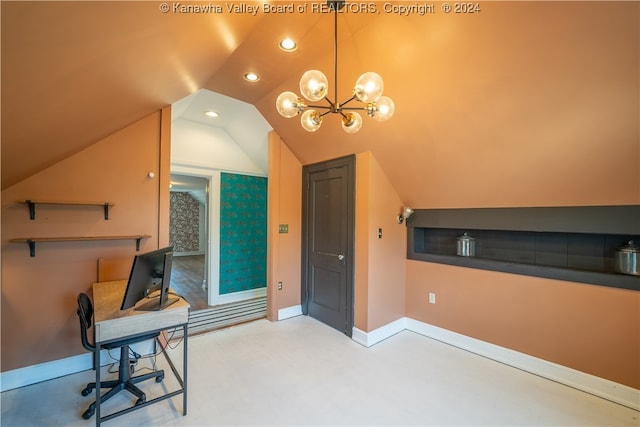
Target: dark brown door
{"x": 328, "y": 234}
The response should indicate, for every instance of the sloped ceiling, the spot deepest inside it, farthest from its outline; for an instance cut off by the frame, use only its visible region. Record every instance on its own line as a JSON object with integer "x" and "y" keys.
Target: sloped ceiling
{"x": 513, "y": 78}
{"x": 242, "y": 121}
{"x": 195, "y": 186}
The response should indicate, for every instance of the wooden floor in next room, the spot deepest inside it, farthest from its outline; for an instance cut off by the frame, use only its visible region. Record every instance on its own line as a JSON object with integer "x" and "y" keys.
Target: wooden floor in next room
{"x": 187, "y": 280}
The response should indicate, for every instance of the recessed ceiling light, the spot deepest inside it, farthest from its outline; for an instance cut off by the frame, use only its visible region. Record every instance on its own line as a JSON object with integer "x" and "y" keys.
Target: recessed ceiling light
{"x": 251, "y": 77}
{"x": 211, "y": 113}
{"x": 288, "y": 45}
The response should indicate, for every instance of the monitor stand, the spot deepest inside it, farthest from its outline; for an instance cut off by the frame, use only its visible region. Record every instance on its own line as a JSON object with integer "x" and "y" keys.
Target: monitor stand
{"x": 154, "y": 304}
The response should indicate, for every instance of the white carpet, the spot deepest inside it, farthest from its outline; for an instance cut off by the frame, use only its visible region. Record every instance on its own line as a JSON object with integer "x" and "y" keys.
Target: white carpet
{"x": 301, "y": 372}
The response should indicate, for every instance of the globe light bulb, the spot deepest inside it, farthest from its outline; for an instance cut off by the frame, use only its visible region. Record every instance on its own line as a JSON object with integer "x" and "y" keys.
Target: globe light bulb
{"x": 384, "y": 109}
{"x": 369, "y": 87}
{"x": 287, "y": 104}
{"x": 351, "y": 122}
{"x": 311, "y": 120}
{"x": 314, "y": 85}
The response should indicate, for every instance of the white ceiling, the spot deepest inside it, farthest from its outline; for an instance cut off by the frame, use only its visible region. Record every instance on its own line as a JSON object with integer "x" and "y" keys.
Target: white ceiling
{"x": 195, "y": 186}
{"x": 242, "y": 121}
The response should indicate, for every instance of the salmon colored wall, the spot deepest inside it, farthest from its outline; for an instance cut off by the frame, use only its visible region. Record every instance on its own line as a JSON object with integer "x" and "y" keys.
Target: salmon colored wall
{"x": 39, "y": 321}
{"x": 593, "y": 329}
{"x": 380, "y": 263}
{"x": 527, "y": 104}
{"x": 285, "y": 207}
{"x": 563, "y": 130}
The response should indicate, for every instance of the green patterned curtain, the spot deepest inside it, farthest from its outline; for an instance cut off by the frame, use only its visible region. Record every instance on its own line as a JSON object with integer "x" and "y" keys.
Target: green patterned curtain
{"x": 243, "y": 232}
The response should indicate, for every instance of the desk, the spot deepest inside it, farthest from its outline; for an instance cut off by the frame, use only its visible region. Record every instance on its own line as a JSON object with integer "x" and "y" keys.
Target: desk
{"x": 111, "y": 324}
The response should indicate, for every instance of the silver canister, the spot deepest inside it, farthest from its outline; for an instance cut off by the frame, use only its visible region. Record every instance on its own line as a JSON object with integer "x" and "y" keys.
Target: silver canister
{"x": 466, "y": 245}
{"x": 626, "y": 260}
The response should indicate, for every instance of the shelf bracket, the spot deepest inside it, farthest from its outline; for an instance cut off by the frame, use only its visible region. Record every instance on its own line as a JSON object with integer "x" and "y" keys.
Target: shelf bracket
{"x": 138, "y": 239}
{"x": 106, "y": 211}
{"x": 32, "y": 209}
{"x": 32, "y": 248}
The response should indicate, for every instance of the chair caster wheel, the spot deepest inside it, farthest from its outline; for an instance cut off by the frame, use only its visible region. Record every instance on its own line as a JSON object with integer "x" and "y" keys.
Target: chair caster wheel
{"x": 141, "y": 401}
{"x": 159, "y": 378}
{"x": 86, "y": 391}
{"x": 88, "y": 413}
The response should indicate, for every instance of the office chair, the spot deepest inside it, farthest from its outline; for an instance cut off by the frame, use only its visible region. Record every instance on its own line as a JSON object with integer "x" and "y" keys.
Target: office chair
{"x": 125, "y": 379}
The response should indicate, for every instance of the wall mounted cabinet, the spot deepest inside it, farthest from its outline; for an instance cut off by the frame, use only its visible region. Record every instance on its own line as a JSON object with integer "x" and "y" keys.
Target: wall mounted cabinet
{"x": 566, "y": 243}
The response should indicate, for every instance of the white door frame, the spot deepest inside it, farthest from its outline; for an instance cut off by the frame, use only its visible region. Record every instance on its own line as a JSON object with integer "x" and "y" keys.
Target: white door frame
{"x": 212, "y": 265}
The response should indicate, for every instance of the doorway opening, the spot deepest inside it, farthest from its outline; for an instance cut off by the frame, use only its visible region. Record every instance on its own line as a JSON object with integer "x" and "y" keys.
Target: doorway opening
{"x": 224, "y": 280}
{"x": 188, "y": 234}
{"x": 229, "y": 147}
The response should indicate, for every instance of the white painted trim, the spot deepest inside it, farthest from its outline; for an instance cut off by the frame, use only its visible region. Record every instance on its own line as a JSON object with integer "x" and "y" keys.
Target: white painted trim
{"x": 175, "y": 254}
{"x": 45, "y": 371}
{"x": 289, "y": 312}
{"x": 618, "y": 393}
{"x": 70, "y": 365}
{"x": 368, "y": 339}
{"x": 606, "y": 389}
{"x": 212, "y": 267}
{"x": 241, "y": 296}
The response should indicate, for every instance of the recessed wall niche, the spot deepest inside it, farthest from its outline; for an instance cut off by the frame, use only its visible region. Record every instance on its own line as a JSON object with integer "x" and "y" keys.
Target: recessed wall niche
{"x": 566, "y": 243}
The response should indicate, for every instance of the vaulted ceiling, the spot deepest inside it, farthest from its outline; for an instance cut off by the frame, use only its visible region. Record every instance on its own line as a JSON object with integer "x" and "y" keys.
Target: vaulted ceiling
{"x": 467, "y": 86}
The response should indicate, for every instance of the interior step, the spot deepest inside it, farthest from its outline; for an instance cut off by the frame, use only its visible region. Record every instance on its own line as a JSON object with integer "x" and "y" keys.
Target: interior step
{"x": 225, "y": 315}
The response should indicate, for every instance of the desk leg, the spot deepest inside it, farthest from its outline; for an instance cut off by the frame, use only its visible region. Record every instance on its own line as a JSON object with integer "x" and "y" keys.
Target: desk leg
{"x": 184, "y": 369}
{"x": 96, "y": 366}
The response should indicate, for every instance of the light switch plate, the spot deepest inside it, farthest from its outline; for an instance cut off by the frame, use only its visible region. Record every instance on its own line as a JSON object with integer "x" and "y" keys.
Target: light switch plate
{"x": 283, "y": 228}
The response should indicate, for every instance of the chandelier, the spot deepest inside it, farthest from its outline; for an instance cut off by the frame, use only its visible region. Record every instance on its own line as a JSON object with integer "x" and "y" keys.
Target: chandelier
{"x": 314, "y": 87}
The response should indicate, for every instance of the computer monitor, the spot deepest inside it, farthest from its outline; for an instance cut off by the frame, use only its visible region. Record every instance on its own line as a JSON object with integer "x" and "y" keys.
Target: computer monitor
{"x": 150, "y": 272}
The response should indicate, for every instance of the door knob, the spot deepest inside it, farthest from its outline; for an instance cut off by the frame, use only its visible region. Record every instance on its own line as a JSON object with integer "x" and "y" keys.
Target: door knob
{"x": 340, "y": 257}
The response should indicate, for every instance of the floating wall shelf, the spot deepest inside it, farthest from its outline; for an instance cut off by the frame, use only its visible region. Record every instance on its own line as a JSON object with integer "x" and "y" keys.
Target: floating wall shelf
{"x": 31, "y": 241}
{"x": 32, "y": 206}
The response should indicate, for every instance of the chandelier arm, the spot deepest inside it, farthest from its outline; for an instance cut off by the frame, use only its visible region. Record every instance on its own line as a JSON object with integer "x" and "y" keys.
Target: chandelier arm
{"x": 347, "y": 101}
{"x": 354, "y": 108}
{"x": 325, "y": 113}
{"x": 324, "y": 107}
{"x": 331, "y": 103}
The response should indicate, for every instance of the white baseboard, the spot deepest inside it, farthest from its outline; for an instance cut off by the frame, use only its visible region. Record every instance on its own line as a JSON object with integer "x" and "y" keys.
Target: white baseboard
{"x": 191, "y": 253}
{"x": 368, "y": 339}
{"x": 288, "y": 312}
{"x": 45, "y": 371}
{"x": 241, "y": 296}
{"x": 618, "y": 393}
{"x": 606, "y": 389}
{"x": 59, "y": 368}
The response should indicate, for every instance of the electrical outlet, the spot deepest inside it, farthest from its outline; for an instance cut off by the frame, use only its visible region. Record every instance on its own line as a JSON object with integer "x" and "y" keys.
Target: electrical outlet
{"x": 432, "y": 298}
{"x": 279, "y": 286}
